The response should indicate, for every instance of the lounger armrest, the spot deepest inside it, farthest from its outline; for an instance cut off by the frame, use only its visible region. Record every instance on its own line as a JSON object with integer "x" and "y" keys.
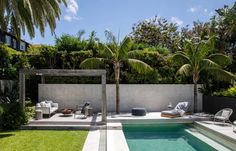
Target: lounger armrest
{"x": 55, "y": 105}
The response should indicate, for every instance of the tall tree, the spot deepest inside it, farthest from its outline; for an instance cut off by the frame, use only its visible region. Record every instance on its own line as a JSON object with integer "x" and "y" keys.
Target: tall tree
{"x": 156, "y": 31}
{"x": 116, "y": 53}
{"x": 22, "y": 15}
{"x": 197, "y": 57}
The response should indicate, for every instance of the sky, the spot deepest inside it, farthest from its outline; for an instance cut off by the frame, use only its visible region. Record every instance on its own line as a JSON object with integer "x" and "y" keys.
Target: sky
{"x": 119, "y": 16}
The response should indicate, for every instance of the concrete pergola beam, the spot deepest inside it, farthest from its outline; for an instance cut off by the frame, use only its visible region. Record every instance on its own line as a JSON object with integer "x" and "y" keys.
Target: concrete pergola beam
{"x": 63, "y": 72}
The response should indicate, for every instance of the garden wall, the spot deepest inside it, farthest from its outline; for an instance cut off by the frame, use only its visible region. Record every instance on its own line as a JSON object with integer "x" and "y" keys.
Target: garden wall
{"x": 154, "y": 97}
{"x": 213, "y": 104}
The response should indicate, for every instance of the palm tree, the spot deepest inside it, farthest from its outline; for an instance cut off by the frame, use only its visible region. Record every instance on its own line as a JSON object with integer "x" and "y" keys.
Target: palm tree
{"x": 19, "y": 15}
{"x": 197, "y": 57}
{"x": 116, "y": 53}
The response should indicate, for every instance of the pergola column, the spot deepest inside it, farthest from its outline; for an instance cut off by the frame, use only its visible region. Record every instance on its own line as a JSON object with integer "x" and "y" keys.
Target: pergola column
{"x": 42, "y": 79}
{"x": 22, "y": 88}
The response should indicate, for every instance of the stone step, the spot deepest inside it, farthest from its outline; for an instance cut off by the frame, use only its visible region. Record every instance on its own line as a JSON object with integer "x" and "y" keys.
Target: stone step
{"x": 60, "y": 123}
{"x": 57, "y": 127}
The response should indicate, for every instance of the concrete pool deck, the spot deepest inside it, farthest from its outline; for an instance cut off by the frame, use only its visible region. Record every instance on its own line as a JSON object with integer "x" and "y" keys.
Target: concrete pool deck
{"x": 111, "y": 137}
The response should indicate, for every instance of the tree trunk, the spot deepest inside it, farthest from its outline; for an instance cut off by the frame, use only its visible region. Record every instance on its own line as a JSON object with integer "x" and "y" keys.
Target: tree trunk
{"x": 117, "y": 79}
{"x": 195, "y": 80}
{"x": 195, "y": 98}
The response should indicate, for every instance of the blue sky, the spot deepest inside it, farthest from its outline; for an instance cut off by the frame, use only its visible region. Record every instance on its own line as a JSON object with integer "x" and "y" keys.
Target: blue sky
{"x": 121, "y": 15}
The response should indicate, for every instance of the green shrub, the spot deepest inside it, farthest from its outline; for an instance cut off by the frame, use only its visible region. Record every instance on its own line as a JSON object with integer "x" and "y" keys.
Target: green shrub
{"x": 29, "y": 110}
{"x": 1, "y": 110}
{"x": 231, "y": 92}
{"x": 13, "y": 116}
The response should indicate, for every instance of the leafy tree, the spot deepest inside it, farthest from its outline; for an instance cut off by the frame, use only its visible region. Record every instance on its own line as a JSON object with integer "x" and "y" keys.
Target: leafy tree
{"x": 70, "y": 42}
{"x": 92, "y": 43}
{"x": 7, "y": 69}
{"x": 117, "y": 54}
{"x": 197, "y": 58}
{"x": 22, "y": 15}
{"x": 48, "y": 56}
{"x": 156, "y": 31}
{"x": 224, "y": 26}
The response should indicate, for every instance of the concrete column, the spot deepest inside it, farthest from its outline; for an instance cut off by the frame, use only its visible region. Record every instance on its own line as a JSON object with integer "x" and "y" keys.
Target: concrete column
{"x": 104, "y": 99}
{"x": 22, "y": 88}
{"x": 42, "y": 79}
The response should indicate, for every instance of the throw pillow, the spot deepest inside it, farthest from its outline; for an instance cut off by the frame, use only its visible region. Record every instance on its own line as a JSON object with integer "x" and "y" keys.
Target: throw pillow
{"x": 48, "y": 105}
{"x": 43, "y": 104}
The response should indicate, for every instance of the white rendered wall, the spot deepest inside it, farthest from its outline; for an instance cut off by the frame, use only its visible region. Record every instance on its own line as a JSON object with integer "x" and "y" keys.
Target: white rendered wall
{"x": 154, "y": 97}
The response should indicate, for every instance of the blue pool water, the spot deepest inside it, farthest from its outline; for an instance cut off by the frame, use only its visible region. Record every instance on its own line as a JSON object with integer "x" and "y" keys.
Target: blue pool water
{"x": 162, "y": 137}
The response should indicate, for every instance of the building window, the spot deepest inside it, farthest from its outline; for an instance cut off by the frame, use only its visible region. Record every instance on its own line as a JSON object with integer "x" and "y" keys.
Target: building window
{"x": 22, "y": 46}
{"x": 8, "y": 40}
{"x": 14, "y": 43}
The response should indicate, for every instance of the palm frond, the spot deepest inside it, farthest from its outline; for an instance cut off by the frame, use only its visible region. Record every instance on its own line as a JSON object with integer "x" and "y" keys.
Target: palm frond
{"x": 92, "y": 63}
{"x": 221, "y": 75}
{"x": 139, "y": 66}
{"x": 220, "y": 59}
{"x": 206, "y": 64}
{"x": 184, "y": 70}
{"x": 104, "y": 51}
{"x": 188, "y": 46}
{"x": 180, "y": 58}
{"x": 125, "y": 47}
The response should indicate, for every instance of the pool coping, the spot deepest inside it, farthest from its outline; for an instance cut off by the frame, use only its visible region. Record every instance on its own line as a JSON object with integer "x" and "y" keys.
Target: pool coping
{"x": 115, "y": 137}
{"x": 116, "y": 140}
{"x": 228, "y": 141}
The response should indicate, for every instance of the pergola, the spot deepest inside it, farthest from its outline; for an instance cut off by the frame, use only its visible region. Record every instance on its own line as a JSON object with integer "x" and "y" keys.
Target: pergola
{"x": 63, "y": 72}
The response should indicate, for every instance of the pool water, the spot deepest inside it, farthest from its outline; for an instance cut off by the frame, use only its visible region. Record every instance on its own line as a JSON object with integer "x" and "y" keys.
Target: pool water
{"x": 163, "y": 137}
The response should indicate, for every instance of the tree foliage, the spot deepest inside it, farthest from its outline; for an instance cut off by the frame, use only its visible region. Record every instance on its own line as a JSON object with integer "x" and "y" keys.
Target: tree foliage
{"x": 22, "y": 15}
{"x": 156, "y": 31}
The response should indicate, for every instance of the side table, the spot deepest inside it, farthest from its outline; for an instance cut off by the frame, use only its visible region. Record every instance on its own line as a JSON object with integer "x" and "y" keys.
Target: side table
{"x": 88, "y": 111}
{"x": 38, "y": 114}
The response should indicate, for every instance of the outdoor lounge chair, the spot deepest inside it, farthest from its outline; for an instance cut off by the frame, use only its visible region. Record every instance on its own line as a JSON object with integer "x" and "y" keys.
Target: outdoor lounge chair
{"x": 180, "y": 109}
{"x": 47, "y": 107}
{"x": 223, "y": 115}
{"x": 80, "y": 110}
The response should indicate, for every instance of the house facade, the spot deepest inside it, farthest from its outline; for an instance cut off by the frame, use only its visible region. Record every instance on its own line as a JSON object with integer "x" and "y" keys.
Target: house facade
{"x": 11, "y": 40}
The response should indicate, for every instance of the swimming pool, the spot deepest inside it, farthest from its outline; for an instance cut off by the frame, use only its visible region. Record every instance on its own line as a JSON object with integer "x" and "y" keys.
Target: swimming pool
{"x": 164, "y": 137}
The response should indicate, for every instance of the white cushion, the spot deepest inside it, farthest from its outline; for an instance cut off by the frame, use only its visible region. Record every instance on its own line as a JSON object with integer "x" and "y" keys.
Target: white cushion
{"x": 225, "y": 113}
{"x": 43, "y": 104}
{"x": 38, "y": 105}
{"x": 220, "y": 117}
{"x": 50, "y": 101}
{"x": 48, "y": 105}
{"x": 182, "y": 106}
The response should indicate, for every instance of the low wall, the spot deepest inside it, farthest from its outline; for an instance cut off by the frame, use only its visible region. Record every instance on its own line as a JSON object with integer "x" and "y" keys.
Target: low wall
{"x": 154, "y": 97}
{"x": 213, "y": 104}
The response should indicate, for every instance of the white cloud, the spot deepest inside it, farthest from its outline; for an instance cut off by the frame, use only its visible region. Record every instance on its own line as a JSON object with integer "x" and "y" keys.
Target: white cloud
{"x": 177, "y": 21}
{"x": 68, "y": 18}
{"x": 193, "y": 9}
{"x": 205, "y": 10}
{"x": 72, "y": 7}
{"x": 71, "y": 11}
